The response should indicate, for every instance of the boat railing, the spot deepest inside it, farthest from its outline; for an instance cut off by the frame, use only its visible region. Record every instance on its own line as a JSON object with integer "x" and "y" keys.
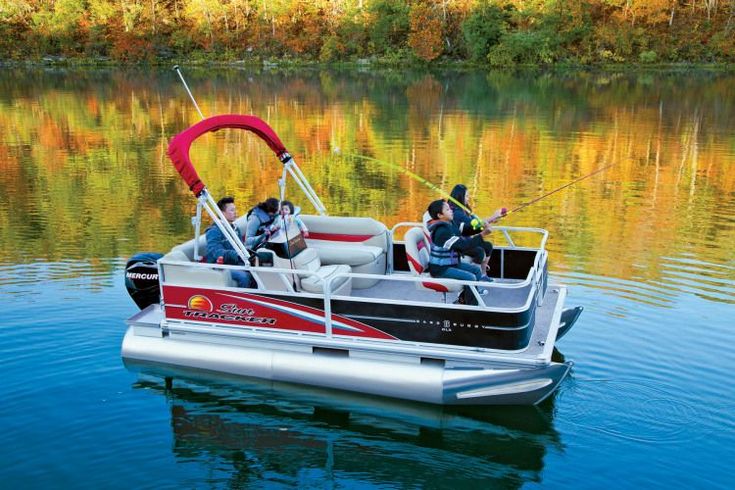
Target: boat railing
{"x": 472, "y": 285}
{"x": 508, "y": 232}
{"x": 532, "y": 282}
{"x": 286, "y": 272}
{"x": 511, "y": 234}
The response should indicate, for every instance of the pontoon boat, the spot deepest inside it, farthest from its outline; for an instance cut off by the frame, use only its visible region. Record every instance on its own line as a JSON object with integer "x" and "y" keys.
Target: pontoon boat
{"x": 351, "y": 306}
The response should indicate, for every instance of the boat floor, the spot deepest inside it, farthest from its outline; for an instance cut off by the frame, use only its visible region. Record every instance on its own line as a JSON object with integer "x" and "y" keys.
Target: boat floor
{"x": 496, "y": 297}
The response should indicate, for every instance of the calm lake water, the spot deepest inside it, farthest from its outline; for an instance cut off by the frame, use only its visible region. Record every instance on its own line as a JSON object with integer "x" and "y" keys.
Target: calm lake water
{"x": 647, "y": 247}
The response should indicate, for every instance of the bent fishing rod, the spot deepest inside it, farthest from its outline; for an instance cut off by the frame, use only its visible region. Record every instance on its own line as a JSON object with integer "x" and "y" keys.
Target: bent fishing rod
{"x": 503, "y": 213}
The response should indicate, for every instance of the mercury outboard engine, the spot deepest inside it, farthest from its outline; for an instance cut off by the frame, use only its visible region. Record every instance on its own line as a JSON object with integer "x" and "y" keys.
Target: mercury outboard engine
{"x": 141, "y": 278}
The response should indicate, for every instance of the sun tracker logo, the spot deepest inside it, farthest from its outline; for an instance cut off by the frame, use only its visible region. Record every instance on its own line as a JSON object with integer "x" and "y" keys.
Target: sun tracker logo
{"x": 200, "y": 308}
{"x": 200, "y": 303}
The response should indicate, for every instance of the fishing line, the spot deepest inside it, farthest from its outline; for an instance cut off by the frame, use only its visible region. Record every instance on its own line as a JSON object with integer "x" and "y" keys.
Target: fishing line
{"x": 462, "y": 205}
{"x": 414, "y": 176}
{"x": 559, "y": 189}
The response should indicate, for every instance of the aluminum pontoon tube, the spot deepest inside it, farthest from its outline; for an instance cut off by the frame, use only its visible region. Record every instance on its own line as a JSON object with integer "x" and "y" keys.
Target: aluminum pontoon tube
{"x": 423, "y": 382}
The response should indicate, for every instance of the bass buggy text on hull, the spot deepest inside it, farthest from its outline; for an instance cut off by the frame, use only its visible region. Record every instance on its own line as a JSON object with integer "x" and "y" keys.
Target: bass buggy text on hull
{"x": 350, "y": 307}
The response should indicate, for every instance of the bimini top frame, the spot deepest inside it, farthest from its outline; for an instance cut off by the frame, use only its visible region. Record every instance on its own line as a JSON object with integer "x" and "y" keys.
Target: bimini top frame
{"x": 178, "y": 152}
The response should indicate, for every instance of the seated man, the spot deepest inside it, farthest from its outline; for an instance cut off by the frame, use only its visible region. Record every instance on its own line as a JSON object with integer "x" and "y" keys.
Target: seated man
{"x": 447, "y": 244}
{"x": 220, "y": 250}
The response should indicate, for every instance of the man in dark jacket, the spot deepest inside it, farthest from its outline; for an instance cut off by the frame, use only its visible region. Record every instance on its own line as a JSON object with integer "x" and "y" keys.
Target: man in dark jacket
{"x": 448, "y": 244}
{"x": 220, "y": 250}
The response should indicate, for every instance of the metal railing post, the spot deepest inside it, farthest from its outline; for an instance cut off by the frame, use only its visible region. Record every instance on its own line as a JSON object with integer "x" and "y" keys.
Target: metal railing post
{"x": 328, "y": 306}
{"x": 197, "y": 230}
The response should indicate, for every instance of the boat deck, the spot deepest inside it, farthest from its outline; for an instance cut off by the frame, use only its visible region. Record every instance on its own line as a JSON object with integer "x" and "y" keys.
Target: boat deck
{"x": 496, "y": 297}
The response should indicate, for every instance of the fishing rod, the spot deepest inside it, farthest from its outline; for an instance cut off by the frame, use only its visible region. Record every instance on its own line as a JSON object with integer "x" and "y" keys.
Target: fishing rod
{"x": 579, "y": 179}
{"x": 191, "y": 96}
{"x": 503, "y": 212}
{"x": 415, "y": 177}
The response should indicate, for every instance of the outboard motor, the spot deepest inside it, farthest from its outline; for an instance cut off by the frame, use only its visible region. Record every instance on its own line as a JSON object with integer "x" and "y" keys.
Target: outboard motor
{"x": 141, "y": 278}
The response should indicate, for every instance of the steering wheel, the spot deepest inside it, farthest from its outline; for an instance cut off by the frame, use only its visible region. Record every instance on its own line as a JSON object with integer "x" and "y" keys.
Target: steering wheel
{"x": 252, "y": 256}
{"x": 253, "y": 251}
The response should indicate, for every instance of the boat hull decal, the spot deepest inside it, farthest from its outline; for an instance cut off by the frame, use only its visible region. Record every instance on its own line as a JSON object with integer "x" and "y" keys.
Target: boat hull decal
{"x": 436, "y": 325}
{"x": 352, "y": 318}
{"x": 254, "y": 310}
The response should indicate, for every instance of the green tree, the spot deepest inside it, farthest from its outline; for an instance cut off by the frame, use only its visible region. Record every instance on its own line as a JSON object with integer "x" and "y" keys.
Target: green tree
{"x": 389, "y": 25}
{"x": 483, "y": 29}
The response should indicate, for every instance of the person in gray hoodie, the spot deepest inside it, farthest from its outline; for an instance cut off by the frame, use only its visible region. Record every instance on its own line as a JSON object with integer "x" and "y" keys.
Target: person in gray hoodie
{"x": 260, "y": 225}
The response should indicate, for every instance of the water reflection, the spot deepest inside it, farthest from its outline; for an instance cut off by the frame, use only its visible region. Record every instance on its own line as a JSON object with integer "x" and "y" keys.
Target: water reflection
{"x": 251, "y": 432}
{"x": 84, "y": 175}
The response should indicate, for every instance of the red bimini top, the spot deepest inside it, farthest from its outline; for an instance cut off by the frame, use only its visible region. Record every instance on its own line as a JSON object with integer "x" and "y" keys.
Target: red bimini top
{"x": 178, "y": 149}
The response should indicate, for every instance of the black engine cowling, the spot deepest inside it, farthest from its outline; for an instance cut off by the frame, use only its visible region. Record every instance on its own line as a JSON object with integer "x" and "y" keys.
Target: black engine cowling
{"x": 141, "y": 278}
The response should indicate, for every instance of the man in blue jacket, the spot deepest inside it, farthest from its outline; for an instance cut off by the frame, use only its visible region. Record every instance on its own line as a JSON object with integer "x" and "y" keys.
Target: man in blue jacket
{"x": 220, "y": 250}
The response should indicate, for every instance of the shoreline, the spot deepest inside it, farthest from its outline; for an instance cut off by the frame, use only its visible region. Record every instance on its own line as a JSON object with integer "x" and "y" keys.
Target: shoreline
{"x": 364, "y": 64}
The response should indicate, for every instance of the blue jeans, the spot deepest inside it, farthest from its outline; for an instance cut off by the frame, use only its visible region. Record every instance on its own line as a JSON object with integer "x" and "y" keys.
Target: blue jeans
{"x": 242, "y": 278}
{"x": 464, "y": 272}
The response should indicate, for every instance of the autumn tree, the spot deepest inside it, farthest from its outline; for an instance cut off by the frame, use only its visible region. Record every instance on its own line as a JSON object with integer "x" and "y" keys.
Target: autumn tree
{"x": 425, "y": 36}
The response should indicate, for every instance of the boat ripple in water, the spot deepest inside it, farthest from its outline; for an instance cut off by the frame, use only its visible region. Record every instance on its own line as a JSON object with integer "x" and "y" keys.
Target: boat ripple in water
{"x": 660, "y": 416}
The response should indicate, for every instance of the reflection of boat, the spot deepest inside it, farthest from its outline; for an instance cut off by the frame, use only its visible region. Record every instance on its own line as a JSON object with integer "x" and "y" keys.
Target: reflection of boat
{"x": 253, "y": 431}
{"x": 350, "y": 307}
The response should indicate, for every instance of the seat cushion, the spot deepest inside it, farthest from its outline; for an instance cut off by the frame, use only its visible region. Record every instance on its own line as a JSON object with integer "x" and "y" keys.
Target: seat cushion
{"x": 353, "y": 255}
{"x": 195, "y": 274}
{"x": 435, "y": 286}
{"x": 315, "y": 283}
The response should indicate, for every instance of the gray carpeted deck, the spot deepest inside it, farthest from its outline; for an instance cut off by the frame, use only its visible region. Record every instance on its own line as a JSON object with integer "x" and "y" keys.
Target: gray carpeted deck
{"x": 496, "y": 297}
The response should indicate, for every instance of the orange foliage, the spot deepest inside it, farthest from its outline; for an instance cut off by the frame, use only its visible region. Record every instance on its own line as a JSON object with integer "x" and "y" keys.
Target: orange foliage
{"x": 425, "y": 36}
{"x": 130, "y": 47}
{"x": 50, "y": 134}
{"x": 301, "y": 28}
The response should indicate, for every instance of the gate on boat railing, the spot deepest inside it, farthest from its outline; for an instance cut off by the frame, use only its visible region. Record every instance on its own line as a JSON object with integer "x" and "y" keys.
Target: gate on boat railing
{"x": 507, "y": 231}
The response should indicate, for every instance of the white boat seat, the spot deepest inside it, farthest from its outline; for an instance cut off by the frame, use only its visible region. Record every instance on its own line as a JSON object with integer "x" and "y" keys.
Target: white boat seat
{"x": 194, "y": 274}
{"x": 309, "y": 260}
{"x": 331, "y": 253}
{"x": 188, "y": 247}
{"x": 362, "y": 259}
{"x": 315, "y": 284}
{"x": 361, "y": 243}
{"x": 418, "y": 248}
